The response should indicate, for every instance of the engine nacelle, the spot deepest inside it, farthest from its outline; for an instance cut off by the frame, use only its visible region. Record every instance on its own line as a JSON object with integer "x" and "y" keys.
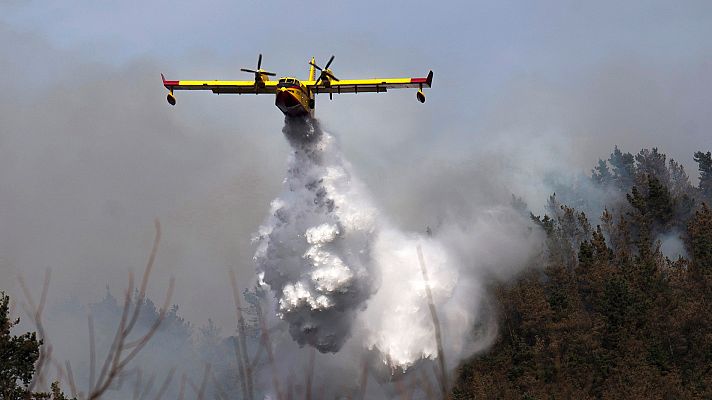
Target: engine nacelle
{"x": 421, "y": 96}
{"x": 171, "y": 99}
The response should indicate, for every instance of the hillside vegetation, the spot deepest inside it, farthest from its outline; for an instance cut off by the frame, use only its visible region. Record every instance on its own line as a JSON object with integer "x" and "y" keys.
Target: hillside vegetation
{"x": 609, "y": 314}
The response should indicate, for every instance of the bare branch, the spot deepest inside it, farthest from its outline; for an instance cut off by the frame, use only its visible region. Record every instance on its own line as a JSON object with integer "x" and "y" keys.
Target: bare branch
{"x": 70, "y": 379}
{"x": 364, "y": 378}
{"x": 436, "y": 325}
{"x": 36, "y": 315}
{"x": 116, "y": 361}
{"x": 165, "y": 384}
{"x": 257, "y": 356}
{"x": 244, "y": 364}
{"x": 137, "y": 384}
{"x": 218, "y": 387}
{"x": 117, "y": 337}
{"x": 147, "y": 387}
{"x": 144, "y": 279}
{"x": 92, "y": 351}
{"x": 204, "y": 383}
{"x": 270, "y": 355}
{"x": 240, "y": 367}
{"x": 181, "y": 391}
{"x": 161, "y": 316}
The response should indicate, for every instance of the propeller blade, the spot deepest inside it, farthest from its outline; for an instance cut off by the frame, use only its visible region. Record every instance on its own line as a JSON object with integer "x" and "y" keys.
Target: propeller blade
{"x": 268, "y": 73}
{"x": 329, "y": 63}
{"x": 330, "y": 75}
{"x": 252, "y": 71}
{"x": 317, "y": 81}
{"x": 259, "y": 61}
{"x": 315, "y": 66}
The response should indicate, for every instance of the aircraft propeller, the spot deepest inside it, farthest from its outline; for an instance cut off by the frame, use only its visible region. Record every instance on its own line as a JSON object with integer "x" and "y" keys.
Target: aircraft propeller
{"x": 259, "y": 72}
{"x": 326, "y": 74}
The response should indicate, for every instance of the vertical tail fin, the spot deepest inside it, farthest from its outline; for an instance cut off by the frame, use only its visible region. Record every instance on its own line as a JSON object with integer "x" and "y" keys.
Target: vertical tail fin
{"x": 312, "y": 72}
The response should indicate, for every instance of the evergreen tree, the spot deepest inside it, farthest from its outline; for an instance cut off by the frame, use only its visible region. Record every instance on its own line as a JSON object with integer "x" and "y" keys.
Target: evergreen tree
{"x": 610, "y": 322}
{"x": 700, "y": 234}
{"x": 679, "y": 181}
{"x": 652, "y": 163}
{"x": 18, "y": 355}
{"x": 704, "y": 162}
{"x": 601, "y": 174}
{"x": 623, "y": 169}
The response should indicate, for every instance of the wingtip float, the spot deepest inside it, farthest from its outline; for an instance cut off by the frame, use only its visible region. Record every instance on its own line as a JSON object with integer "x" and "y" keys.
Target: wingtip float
{"x": 294, "y": 97}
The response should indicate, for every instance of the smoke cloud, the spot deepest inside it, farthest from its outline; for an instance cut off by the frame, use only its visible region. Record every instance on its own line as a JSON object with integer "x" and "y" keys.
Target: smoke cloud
{"x": 334, "y": 261}
{"x": 90, "y": 154}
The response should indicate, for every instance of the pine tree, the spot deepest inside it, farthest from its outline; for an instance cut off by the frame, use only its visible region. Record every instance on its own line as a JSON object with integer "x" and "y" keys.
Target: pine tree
{"x": 18, "y": 355}
{"x": 652, "y": 163}
{"x": 704, "y": 162}
{"x": 623, "y": 169}
{"x": 700, "y": 234}
{"x": 601, "y": 174}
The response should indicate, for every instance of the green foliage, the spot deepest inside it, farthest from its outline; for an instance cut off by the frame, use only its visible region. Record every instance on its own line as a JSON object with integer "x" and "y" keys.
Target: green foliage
{"x": 601, "y": 174}
{"x": 18, "y": 355}
{"x": 623, "y": 169}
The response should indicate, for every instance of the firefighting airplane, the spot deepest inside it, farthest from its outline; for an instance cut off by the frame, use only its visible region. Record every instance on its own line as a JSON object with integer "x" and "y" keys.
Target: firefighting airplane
{"x": 294, "y": 97}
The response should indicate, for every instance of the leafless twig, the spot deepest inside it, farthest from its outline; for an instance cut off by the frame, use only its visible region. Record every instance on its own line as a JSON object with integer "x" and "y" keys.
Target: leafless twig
{"x": 181, "y": 390}
{"x": 220, "y": 392}
{"x": 165, "y": 384}
{"x": 436, "y": 324}
{"x": 35, "y": 313}
{"x": 243, "y": 363}
{"x": 92, "y": 350}
{"x": 364, "y": 378}
{"x": 204, "y": 383}
{"x": 116, "y": 359}
{"x": 147, "y": 387}
{"x": 137, "y": 384}
{"x": 270, "y": 355}
{"x": 70, "y": 379}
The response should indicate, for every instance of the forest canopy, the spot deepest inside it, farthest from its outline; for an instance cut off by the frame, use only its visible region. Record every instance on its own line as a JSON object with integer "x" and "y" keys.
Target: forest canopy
{"x": 612, "y": 312}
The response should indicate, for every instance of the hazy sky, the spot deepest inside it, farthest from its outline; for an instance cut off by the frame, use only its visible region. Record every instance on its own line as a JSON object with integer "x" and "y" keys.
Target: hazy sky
{"x": 90, "y": 152}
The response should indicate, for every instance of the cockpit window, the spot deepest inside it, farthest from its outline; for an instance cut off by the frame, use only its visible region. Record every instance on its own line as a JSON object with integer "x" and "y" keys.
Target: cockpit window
{"x": 288, "y": 82}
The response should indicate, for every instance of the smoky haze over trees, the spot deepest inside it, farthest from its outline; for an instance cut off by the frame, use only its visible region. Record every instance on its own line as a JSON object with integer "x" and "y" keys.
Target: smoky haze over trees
{"x": 611, "y": 314}
{"x": 525, "y": 97}
{"x": 604, "y": 311}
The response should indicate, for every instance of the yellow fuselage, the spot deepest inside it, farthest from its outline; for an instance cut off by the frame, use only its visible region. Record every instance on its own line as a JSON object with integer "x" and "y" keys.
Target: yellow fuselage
{"x": 293, "y": 98}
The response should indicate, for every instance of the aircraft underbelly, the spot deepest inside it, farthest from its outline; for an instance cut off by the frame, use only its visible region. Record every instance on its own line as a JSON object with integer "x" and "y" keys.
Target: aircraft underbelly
{"x": 289, "y": 104}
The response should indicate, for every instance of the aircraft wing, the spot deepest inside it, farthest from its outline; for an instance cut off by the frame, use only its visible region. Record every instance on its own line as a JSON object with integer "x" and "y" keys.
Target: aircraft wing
{"x": 219, "y": 87}
{"x": 376, "y": 85}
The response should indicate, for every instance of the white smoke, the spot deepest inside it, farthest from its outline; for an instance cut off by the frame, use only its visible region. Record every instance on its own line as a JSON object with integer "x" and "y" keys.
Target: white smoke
{"x": 339, "y": 270}
{"x": 314, "y": 249}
